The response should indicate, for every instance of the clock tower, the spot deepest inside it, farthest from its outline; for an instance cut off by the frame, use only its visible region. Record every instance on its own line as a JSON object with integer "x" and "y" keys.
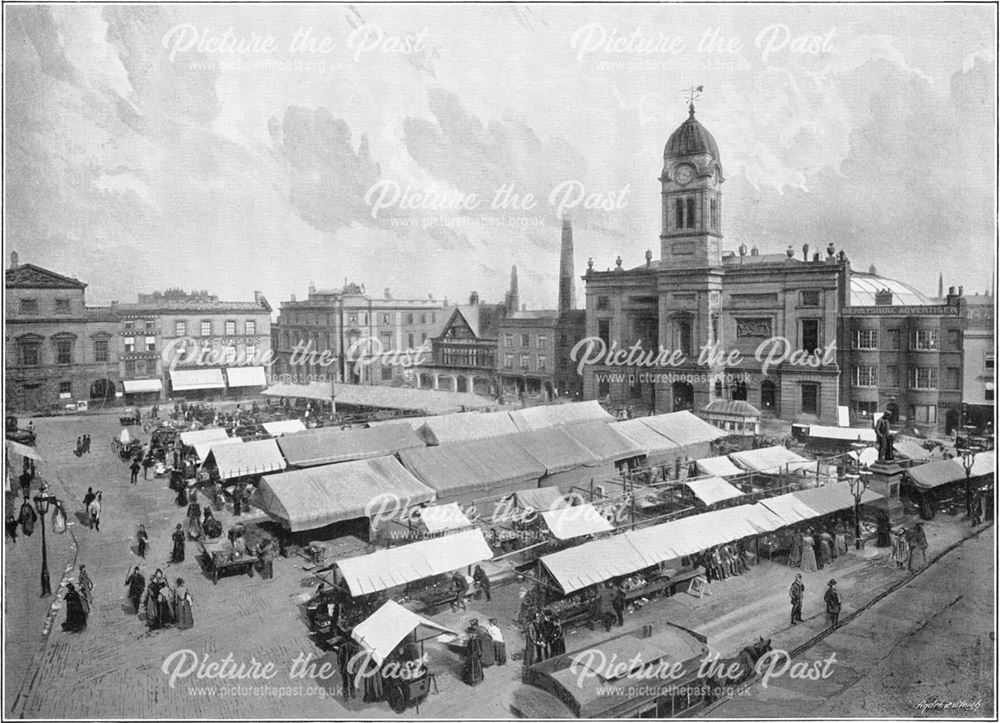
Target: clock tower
{"x": 691, "y": 235}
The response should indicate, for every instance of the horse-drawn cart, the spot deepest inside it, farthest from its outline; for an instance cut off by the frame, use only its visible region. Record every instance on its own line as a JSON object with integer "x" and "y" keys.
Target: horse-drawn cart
{"x": 221, "y": 558}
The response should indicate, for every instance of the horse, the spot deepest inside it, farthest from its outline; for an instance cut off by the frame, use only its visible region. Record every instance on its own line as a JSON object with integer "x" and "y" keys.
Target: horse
{"x": 745, "y": 668}
{"x": 94, "y": 511}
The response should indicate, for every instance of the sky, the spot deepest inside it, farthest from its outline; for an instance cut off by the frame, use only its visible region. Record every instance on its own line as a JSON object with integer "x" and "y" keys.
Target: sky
{"x": 426, "y": 149}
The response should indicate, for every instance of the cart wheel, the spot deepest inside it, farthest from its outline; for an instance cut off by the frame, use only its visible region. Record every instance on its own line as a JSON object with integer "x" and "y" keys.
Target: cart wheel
{"x": 395, "y": 694}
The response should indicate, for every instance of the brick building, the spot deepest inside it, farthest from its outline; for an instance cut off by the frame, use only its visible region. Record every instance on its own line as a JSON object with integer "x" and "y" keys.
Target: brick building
{"x": 979, "y": 355}
{"x": 59, "y": 350}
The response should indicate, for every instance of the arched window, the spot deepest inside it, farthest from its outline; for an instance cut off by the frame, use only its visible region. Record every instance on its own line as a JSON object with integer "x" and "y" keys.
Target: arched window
{"x": 690, "y": 213}
{"x": 679, "y": 207}
{"x": 684, "y": 337}
{"x": 715, "y": 214}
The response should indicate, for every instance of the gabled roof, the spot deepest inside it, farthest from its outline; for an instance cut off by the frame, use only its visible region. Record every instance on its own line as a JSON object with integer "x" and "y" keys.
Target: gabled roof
{"x": 482, "y": 319}
{"x": 29, "y": 276}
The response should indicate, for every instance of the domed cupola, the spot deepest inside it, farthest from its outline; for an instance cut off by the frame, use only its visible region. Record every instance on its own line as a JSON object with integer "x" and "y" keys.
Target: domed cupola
{"x": 691, "y": 138}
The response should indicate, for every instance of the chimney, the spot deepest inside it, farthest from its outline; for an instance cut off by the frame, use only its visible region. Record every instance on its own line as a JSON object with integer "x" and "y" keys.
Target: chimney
{"x": 940, "y": 286}
{"x": 872, "y": 270}
{"x": 312, "y": 288}
{"x": 961, "y": 290}
{"x": 567, "y": 284}
{"x": 293, "y": 298}
{"x": 513, "y": 295}
{"x": 13, "y": 260}
{"x": 256, "y": 297}
{"x": 649, "y": 258}
{"x": 474, "y": 298}
{"x": 805, "y": 252}
{"x": 754, "y": 251}
{"x": 388, "y": 294}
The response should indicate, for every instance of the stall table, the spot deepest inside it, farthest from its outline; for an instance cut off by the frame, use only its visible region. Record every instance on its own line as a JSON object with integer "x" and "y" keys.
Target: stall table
{"x": 221, "y": 558}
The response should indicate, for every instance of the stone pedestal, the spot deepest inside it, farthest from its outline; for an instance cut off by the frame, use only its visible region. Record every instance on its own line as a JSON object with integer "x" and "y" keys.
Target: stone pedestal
{"x": 885, "y": 480}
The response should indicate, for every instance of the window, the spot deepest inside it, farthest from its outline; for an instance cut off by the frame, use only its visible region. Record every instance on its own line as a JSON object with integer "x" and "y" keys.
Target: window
{"x": 409, "y": 318}
{"x": 604, "y": 331}
{"x": 129, "y": 324}
{"x": 386, "y": 319}
{"x": 250, "y": 351}
{"x": 679, "y": 212}
{"x": 809, "y": 297}
{"x": 988, "y": 395}
{"x": 386, "y": 373}
{"x": 923, "y": 378}
{"x": 250, "y": 327}
{"x": 603, "y": 388}
{"x": 603, "y": 303}
{"x": 988, "y": 364}
{"x": 865, "y": 377}
{"x": 865, "y": 409}
{"x": 810, "y": 334}
{"x": 953, "y": 378}
{"x": 352, "y": 318}
{"x": 866, "y": 339}
{"x": 810, "y": 398}
{"x": 542, "y": 363}
{"x": 525, "y": 361}
{"x": 180, "y": 328}
{"x": 925, "y": 413}
{"x": 66, "y": 388}
{"x": 386, "y": 338}
{"x": 423, "y": 318}
{"x": 508, "y": 361}
{"x": 714, "y": 210}
{"x": 434, "y": 318}
{"x": 423, "y": 337}
{"x": 29, "y": 306}
{"x": 29, "y": 353}
{"x": 230, "y": 328}
{"x": 508, "y": 340}
{"x": 150, "y": 343}
{"x": 230, "y": 354}
{"x": 206, "y": 328}
{"x": 525, "y": 339}
{"x": 684, "y": 337}
{"x": 542, "y": 341}
{"x": 62, "y": 306}
{"x": 101, "y": 350}
{"x": 410, "y": 340}
{"x": 893, "y": 338}
{"x": 924, "y": 339}
{"x": 150, "y": 324}
{"x": 893, "y": 373}
{"x": 129, "y": 345}
{"x": 955, "y": 339}
{"x": 690, "y": 213}
{"x": 130, "y": 368}
{"x": 64, "y": 351}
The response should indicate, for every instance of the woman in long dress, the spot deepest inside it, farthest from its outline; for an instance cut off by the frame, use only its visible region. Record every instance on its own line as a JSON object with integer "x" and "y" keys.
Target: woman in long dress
{"x": 473, "y": 673}
{"x": 826, "y": 547}
{"x": 156, "y": 583}
{"x": 808, "y": 554}
{"x": 182, "y": 606}
{"x": 177, "y": 554}
{"x": 840, "y": 539}
{"x": 795, "y": 554}
{"x": 76, "y": 610}
{"x": 900, "y": 551}
{"x": 165, "y": 605}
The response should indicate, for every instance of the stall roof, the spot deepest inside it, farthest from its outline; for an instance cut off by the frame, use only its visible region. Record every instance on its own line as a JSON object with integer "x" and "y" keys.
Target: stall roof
{"x": 719, "y": 467}
{"x": 649, "y": 440}
{"x": 604, "y": 442}
{"x": 186, "y": 379}
{"x": 984, "y": 463}
{"x": 284, "y": 426}
{"x": 572, "y": 522}
{"x": 319, "y": 391}
{"x": 910, "y": 450}
{"x": 204, "y": 435}
{"x": 203, "y": 448}
{"x": 24, "y": 450}
{"x": 683, "y": 428}
{"x": 550, "y": 415}
{"x": 388, "y": 626}
{"x": 593, "y": 562}
{"x": 239, "y": 460}
{"x": 935, "y": 474}
{"x": 540, "y": 499}
{"x": 309, "y": 498}
{"x": 795, "y": 507}
{"x": 773, "y": 460}
{"x": 867, "y": 456}
{"x": 406, "y": 398}
{"x": 140, "y": 386}
{"x": 246, "y": 376}
{"x": 441, "y": 518}
{"x": 713, "y": 489}
{"x": 467, "y": 426}
{"x": 555, "y": 449}
{"x": 847, "y": 434}
{"x": 330, "y": 444}
{"x": 479, "y": 467}
{"x": 415, "y": 422}
{"x": 408, "y": 563}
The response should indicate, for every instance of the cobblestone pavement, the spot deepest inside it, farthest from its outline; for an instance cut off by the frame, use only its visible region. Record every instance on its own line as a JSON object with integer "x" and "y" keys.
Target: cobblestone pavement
{"x": 114, "y": 668}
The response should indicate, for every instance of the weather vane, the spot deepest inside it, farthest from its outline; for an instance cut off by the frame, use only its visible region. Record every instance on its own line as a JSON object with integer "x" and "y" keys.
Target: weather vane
{"x": 692, "y": 94}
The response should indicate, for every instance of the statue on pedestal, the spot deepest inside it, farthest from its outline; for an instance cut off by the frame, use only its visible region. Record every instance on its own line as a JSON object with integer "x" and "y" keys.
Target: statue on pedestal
{"x": 883, "y": 438}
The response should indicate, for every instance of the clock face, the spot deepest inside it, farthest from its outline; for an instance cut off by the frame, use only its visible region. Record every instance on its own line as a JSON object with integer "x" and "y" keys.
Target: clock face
{"x": 684, "y": 174}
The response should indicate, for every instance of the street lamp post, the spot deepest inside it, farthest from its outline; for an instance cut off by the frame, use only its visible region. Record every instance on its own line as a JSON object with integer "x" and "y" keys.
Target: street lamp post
{"x": 968, "y": 459}
{"x": 42, "y": 502}
{"x": 858, "y": 484}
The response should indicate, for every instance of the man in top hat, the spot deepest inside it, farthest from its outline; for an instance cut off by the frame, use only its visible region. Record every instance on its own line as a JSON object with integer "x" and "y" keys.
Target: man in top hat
{"x": 832, "y": 600}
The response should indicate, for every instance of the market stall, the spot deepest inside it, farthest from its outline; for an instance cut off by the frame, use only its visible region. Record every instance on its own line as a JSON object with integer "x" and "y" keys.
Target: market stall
{"x": 657, "y": 449}
{"x": 606, "y": 444}
{"x": 232, "y": 461}
{"x": 775, "y": 461}
{"x": 222, "y": 557}
{"x": 466, "y": 427}
{"x": 329, "y": 444}
{"x": 570, "y": 523}
{"x": 567, "y": 462}
{"x": 544, "y": 416}
{"x": 282, "y": 427}
{"x": 712, "y": 490}
{"x": 306, "y": 499}
{"x": 440, "y": 519}
{"x": 720, "y": 466}
{"x": 692, "y": 434}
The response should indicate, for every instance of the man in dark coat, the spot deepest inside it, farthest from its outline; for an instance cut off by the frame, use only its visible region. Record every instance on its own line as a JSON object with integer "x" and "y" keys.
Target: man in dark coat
{"x": 618, "y": 603}
{"x": 135, "y": 467}
{"x": 136, "y": 583}
{"x": 832, "y": 600}
{"x": 482, "y": 581}
{"x": 795, "y": 592}
{"x": 461, "y": 586}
